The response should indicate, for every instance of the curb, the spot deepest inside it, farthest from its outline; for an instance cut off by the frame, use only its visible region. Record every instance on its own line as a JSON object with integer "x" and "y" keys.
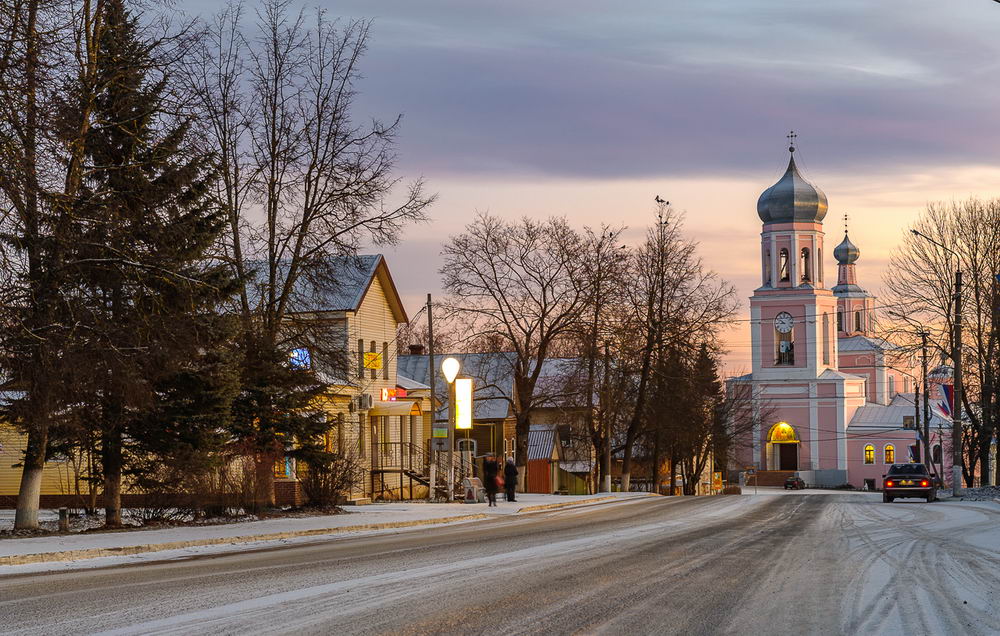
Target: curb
{"x": 93, "y": 553}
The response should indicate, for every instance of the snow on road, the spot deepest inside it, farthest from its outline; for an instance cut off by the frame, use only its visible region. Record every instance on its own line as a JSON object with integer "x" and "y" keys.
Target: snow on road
{"x": 802, "y": 562}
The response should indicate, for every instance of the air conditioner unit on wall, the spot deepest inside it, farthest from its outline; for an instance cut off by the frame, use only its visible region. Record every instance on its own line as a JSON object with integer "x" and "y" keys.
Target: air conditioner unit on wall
{"x": 365, "y": 401}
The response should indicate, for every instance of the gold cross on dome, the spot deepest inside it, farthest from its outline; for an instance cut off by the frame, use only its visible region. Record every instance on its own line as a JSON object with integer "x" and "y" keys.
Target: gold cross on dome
{"x": 791, "y": 136}
{"x": 845, "y": 222}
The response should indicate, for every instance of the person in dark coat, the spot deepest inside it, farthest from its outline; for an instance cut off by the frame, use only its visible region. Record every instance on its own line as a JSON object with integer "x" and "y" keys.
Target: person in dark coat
{"x": 490, "y": 471}
{"x": 510, "y": 478}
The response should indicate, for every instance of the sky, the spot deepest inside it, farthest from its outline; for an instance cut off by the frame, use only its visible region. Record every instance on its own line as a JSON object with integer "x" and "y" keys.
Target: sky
{"x": 590, "y": 109}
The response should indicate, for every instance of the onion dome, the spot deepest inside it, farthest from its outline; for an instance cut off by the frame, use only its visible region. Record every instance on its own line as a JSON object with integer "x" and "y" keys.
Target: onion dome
{"x": 792, "y": 199}
{"x": 846, "y": 253}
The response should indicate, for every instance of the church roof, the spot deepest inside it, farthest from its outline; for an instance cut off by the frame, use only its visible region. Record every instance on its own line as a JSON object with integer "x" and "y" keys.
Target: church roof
{"x": 792, "y": 198}
{"x": 847, "y": 252}
{"x": 883, "y": 416}
{"x": 863, "y": 343}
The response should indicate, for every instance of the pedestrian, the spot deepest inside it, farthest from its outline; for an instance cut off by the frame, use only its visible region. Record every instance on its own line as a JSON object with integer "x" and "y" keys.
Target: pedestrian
{"x": 491, "y": 471}
{"x": 510, "y": 478}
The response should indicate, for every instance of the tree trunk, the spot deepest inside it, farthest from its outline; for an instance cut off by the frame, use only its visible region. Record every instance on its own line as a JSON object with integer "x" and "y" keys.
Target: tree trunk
{"x": 29, "y": 494}
{"x": 656, "y": 461}
{"x": 264, "y": 495}
{"x": 111, "y": 460}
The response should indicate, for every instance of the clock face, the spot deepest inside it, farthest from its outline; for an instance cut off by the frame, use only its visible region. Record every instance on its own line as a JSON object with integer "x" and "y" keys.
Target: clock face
{"x": 783, "y": 322}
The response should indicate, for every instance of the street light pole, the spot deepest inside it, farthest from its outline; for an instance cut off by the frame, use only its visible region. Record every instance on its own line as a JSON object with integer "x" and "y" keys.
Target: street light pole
{"x": 956, "y": 358}
{"x": 927, "y": 419}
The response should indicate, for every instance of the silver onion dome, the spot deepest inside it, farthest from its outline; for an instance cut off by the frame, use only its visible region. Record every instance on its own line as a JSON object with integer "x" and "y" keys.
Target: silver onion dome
{"x": 847, "y": 252}
{"x": 792, "y": 199}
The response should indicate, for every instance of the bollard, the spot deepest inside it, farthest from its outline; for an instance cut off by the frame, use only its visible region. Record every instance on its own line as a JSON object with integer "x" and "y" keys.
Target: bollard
{"x": 63, "y": 520}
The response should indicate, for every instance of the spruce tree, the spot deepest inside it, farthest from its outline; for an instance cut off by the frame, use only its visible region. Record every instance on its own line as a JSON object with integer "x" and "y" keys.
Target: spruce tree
{"x": 144, "y": 288}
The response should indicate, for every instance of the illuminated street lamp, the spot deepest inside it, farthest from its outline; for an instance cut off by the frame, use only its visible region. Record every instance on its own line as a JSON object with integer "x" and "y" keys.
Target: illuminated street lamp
{"x": 450, "y": 368}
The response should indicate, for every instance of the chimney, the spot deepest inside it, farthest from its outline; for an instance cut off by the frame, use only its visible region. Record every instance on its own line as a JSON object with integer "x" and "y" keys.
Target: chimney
{"x": 416, "y": 349}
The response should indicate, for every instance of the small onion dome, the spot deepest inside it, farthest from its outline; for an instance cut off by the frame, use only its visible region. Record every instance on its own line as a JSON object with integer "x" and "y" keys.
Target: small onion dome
{"x": 792, "y": 198}
{"x": 847, "y": 252}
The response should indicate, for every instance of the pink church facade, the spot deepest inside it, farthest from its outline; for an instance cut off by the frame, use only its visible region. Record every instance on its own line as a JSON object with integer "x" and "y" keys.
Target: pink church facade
{"x": 832, "y": 403}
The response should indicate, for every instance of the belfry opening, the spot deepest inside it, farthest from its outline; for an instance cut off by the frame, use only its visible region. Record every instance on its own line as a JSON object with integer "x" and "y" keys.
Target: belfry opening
{"x": 782, "y": 447}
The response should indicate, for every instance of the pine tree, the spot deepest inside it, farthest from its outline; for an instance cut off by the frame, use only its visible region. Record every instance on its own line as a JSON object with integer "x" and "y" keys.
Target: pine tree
{"x": 143, "y": 286}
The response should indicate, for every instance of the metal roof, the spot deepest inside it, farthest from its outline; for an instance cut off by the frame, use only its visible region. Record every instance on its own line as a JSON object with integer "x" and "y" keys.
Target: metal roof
{"x": 791, "y": 199}
{"x": 540, "y": 443}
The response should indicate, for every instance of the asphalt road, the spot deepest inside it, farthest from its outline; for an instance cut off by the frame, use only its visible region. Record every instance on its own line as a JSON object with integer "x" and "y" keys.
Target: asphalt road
{"x": 797, "y": 564}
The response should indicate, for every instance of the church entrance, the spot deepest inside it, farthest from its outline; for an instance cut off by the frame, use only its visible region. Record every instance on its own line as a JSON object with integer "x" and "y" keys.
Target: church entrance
{"x": 788, "y": 456}
{"x": 782, "y": 447}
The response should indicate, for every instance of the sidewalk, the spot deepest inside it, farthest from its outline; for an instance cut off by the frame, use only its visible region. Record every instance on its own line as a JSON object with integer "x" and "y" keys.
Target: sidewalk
{"x": 373, "y": 517}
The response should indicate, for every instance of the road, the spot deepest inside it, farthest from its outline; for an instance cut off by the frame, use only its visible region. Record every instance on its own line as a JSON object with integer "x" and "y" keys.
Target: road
{"x": 771, "y": 564}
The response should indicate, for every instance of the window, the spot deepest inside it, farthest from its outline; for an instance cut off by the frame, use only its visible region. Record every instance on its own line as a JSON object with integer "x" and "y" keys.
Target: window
{"x": 373, "y": 365}
{"x": 869, "y": 454}
{"x": 892, "y": 386}
{"x": 936, "y": 453}
{"x": 783, "y": 265}
{"x": 804, "y": 261}
{"x": 819, "y": 265}
{"x": 361, "y": 359}
{"x": 385, "y": 360}
{"x": 767, "y": 267}
{"x": 361, "y": 434}
{"x": 300, "y": 358}
{"x": 857, "y": 320}
{"x": 890, "y": 454}
{"x": 826, "y": 338}
{"x": 784, "y": 348}
{"x": 840, "y": 320}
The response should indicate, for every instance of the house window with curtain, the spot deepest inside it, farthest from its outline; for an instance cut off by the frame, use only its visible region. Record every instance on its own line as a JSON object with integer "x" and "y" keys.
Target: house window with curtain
{"x": 890, "y": 454}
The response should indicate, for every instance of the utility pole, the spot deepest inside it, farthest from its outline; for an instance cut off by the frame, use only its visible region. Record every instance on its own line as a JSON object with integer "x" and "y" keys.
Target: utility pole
{"x": 432, "y": 373}
{"x": 927, "y": 389}
{"x": 956, "y": 413}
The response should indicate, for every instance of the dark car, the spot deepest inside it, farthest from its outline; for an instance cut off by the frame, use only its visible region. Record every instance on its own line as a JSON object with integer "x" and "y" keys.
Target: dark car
{"x": 794, "y": 483}
{"x": 908, "y": 480}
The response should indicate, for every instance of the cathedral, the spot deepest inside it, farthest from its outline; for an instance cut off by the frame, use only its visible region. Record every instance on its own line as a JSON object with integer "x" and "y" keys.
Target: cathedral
{"x": 835, "y": 403}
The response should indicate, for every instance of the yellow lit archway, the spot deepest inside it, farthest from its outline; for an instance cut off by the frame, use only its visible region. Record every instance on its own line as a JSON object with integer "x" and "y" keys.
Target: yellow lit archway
{"x": 782, "y": 433}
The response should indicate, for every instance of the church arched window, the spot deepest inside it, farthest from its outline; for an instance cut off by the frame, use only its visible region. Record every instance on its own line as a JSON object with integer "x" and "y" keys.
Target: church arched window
{"x": 767, "y": 267}
{"x": 892, "y": 386}
{"x": 804, "y": 261}
{"x": 819, "y": 265}
{"x": 857, "y": 320}
{"x": 840, "y": 320}
{"x": 826, "y": 338}
{"x": 890, "y": 454}
{"x": 783, "y": 265}
{"x": 869, "y": 454}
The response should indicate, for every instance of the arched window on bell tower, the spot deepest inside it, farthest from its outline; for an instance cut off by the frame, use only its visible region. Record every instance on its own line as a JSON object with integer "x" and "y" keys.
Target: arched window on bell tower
{"x": 767, "y": 268}
{"x": 804, "y": 261}
{"x": 857, "y": 320}
{"x": 783, "y": 265}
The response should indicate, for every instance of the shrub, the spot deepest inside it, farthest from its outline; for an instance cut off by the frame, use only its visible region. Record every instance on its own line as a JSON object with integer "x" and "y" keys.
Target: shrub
{"x": 732, "y": 490}
{"x": 327, "y": 478}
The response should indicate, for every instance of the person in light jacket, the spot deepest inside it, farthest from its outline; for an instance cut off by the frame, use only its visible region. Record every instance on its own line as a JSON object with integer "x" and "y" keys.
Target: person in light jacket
{"x": 510, "y": 478}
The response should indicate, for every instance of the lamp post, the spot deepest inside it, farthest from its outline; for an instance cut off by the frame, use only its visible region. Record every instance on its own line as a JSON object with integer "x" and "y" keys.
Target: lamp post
{"x": 956, "y": 358}
{"x": 450, "y": 368}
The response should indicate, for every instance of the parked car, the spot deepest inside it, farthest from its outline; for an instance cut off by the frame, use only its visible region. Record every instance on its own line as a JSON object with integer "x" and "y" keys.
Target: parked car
{"x": 908, "y": 480}
{"x": 794, "y": 483}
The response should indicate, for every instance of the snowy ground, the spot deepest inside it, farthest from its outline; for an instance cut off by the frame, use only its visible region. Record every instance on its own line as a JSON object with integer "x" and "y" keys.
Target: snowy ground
{"x": 780, "y": 562}
{"x": 370, "y": 515}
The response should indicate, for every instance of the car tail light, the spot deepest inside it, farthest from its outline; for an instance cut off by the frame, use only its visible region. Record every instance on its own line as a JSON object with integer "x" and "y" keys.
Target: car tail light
{"x": 925, "y": 483}
{"x": 888, "y": 484}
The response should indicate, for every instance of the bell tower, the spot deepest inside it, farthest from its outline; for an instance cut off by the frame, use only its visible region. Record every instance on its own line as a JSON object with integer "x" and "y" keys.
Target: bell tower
{"x": 855, "y": 306}
{"x": 792, "y": 312}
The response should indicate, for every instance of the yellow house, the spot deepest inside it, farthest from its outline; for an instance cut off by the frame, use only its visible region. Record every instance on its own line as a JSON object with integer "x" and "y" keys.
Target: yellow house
{"x": 374, "y": 415}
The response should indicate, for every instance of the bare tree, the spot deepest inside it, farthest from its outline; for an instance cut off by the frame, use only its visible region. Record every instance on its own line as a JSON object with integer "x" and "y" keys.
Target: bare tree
{"x": 675, "y": 303}
{"x": 516, "y": 285}
{"x": 304, "y": 184}
{"x": 921, "y": 279}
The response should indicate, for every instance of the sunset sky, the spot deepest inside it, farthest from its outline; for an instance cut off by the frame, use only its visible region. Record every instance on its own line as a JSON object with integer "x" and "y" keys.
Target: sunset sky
{"x": 589, "y": 109}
